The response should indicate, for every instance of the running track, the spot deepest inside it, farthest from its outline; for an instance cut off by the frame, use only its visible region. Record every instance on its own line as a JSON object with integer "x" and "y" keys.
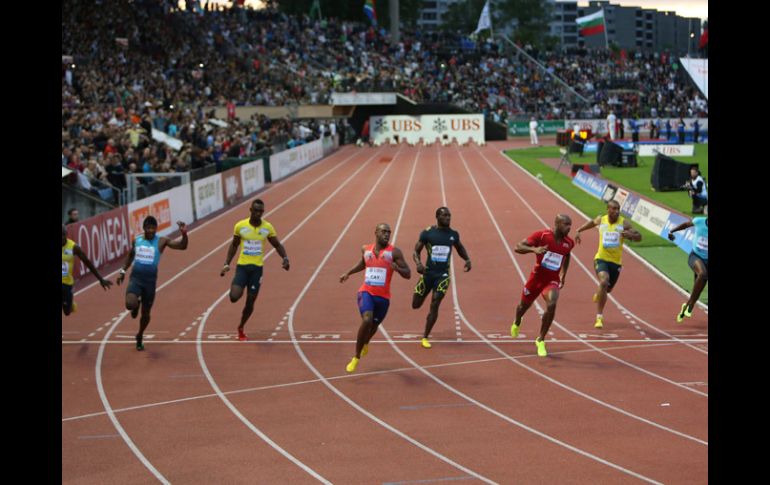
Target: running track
{"x": 628, "y": 404}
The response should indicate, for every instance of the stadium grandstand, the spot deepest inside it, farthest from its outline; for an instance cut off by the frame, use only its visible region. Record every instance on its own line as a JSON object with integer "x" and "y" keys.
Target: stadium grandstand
{"x": 137, "y": 74}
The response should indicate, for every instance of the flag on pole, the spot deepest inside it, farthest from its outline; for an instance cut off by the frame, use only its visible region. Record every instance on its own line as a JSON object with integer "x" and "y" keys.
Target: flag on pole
{"x": 370, "y": 11}
{"x": 591, "y": 24}
{"x": 315, "y": 9}
{"x": 484, "y": 21}
{"x": 704, "y": 38}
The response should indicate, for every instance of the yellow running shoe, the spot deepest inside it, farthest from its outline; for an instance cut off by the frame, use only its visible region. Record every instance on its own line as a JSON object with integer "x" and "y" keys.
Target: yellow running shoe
{"x": 683, "y": 313}
{"x": 352, "y": 365}
{"x": 599, "y": 323}
{"x": 425, "y": 344}
{"x": 365, "y": 350}
{"x": 74, "y": 307}
{"x": 687, "y": 311}
{"x": 515, "y": 329}
{"x": 540, "y": 344}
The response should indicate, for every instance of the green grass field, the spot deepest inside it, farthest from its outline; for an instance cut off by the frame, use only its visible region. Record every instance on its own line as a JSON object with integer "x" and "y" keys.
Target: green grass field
{"x": 661, "y": 253}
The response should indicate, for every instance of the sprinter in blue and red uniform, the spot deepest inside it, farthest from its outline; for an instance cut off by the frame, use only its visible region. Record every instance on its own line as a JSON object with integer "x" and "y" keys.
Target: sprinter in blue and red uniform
{"x": 379, "y": 260}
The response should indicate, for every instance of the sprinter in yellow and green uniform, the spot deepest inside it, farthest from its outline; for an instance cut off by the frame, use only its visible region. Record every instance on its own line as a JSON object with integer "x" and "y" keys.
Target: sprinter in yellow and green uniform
{"x": 614, "y": 229}
{"x": 68, "y": 252}
{"x": 250, "y": 235}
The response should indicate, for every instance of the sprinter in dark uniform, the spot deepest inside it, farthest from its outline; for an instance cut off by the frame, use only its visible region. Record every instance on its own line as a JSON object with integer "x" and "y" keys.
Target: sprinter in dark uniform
{"x": 438, "y": 240}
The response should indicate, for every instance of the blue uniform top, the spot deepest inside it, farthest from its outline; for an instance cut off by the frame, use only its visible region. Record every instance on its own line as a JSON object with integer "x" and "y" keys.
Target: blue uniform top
{"x": 700, "y": 243}
{"x": 146, "y": 257}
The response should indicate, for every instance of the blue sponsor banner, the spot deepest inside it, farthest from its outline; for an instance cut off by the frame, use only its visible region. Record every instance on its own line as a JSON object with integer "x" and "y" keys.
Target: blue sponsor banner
{"x": 629, "y": 205}
{"x": 683, "y": 237}
{"x": 591, "y": 146}
{"x": 589, "y": 183}
{"x": 596, "y": 187}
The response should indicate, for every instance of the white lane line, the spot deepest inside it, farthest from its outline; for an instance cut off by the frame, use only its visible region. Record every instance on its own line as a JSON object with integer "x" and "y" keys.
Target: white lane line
{"x": 550, "y": 379}
{"x": 404, "y": 339}
{"x": 118, "y": 319}
{"x": 325, "y": 380}
{"x": 350, "y": 376}
{"x": 202, "y": 360}
{"x": 111, "y": 414}
{"x": 478, "y": 403}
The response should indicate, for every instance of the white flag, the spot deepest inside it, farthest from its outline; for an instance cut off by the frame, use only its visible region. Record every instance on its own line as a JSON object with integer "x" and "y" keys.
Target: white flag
{"x": 484, "y": 21}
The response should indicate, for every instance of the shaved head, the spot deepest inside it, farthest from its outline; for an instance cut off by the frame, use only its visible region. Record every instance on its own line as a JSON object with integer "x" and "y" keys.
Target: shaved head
{"x": 382, "y": 234}
{"x": 562, "y": 224}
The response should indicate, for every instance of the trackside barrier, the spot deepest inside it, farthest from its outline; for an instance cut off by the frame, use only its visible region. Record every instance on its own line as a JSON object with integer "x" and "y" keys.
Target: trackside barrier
{"x": 106, "y": 238}
{"x": 648, "y": 215}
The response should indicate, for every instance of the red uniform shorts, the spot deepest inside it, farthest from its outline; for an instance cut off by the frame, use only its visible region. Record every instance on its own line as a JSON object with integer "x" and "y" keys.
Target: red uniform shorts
{"x": 536, "y": 285}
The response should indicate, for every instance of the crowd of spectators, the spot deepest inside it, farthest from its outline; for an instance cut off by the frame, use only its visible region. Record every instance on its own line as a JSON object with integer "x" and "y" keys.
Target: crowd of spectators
{"x": 131, "y": 66}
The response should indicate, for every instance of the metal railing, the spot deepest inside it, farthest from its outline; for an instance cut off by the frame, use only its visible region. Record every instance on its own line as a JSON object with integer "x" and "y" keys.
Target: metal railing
{"x": 138, "y": 189}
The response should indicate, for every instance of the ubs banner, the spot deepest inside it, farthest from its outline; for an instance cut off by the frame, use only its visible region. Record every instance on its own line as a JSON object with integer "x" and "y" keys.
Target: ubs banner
{"x": 427, "y": 128}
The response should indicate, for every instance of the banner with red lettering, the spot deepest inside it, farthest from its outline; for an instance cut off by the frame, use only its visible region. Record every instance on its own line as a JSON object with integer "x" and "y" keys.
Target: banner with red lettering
{"x": 104, "y": 238}
{"x": 427, "y": 128}
{"x": 166, "y": 207}
{"x": 231, "y": 183}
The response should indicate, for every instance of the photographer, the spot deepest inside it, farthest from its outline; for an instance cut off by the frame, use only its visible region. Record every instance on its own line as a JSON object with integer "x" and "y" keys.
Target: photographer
{"x": 697, "y": 190}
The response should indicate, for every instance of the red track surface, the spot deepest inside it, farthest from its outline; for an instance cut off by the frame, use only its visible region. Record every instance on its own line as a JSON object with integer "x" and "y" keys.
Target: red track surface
{"x": 622, "y": 405}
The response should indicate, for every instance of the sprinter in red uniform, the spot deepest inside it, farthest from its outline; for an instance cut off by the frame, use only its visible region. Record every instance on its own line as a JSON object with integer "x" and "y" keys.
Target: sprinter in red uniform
{"x": 552, "y": 249}
{"x": 380, "y": 260}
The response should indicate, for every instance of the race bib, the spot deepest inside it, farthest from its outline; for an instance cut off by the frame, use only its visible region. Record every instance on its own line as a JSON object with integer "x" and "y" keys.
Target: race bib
{"x": 145, "y": 254}
{"x": 65, "y": 268}
{"x": 376, "y": 276}
{"x": 552, "y": 261}
{"x": 611, "y": 239}
{"x": 252, "y": 247}
{"x": 702, "y": 243}
{"x": 440, "y": 254}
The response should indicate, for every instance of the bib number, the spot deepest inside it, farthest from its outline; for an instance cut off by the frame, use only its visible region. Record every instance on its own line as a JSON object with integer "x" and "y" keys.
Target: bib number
{"x": 376, "y": 276}
{"x": 440, "y": 254}
{"x": 702, "y": 243}
{"x": 552, "y": 261}
{"x": 145, "y": 254}
{"x": 252, "y": 247}
{"x": 611, "y": 239}
{"x": 65, "y": 269}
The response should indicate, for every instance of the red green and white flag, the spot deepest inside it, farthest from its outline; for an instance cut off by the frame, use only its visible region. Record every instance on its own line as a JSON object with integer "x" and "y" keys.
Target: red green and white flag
{"x": 370, "y": 11}
{"x": 591, "y": 24}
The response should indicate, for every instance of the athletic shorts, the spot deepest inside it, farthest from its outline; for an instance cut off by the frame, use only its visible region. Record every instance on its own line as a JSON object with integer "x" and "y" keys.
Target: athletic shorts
{"x": 691, "y": 261}
{"x": 66, "y": 296}
{"x": 536, "y": 285}
{"x": 375, "y": 304}
{"x": 433, "y": 281}
{"x": 144, "y": 288}
{"x": 248, "y": 276}
{"x": 612, "y": 269}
